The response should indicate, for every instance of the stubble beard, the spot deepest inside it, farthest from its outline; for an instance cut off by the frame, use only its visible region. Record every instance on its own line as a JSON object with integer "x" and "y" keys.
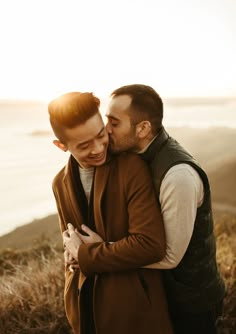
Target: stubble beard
{"x": 127, "y": 145}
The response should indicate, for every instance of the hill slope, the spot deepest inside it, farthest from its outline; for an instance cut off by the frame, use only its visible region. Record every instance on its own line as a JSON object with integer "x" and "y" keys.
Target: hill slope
{"x": 27, "y": 235}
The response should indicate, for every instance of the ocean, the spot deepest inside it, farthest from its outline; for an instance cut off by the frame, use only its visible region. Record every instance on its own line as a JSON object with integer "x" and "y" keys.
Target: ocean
{"x": 29, "y": 160}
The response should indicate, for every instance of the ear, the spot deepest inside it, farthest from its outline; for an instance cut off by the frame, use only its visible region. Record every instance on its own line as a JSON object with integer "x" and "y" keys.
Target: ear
{"x": 143, "y": 129}
{"x": 60, "y": 145}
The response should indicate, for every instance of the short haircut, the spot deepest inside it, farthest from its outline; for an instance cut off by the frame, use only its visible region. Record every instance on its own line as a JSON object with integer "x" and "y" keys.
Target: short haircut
{"x": 71, "y": 110}
{"x": 146, "y": 104}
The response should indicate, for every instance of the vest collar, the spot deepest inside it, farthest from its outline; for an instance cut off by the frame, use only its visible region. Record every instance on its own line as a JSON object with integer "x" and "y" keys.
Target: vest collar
{"x": 156, "y": 145}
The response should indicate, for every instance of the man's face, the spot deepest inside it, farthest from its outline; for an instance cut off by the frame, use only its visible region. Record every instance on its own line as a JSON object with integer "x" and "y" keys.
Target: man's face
{"x": 88, "y": 142}
{"x": 122, "y": 133}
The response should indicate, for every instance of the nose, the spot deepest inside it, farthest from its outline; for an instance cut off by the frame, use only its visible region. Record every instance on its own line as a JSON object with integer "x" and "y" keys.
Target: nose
{"x": 109, "y": 128}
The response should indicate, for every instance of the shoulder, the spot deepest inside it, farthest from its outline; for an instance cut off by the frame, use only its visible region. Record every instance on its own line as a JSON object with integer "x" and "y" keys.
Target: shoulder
{"x": 128, "y": 164}
{"x": 183, "y": 177}
{"x": 130, "y": 158}
{"x": 131, "y": 162}
{"x": 183, "y": 172}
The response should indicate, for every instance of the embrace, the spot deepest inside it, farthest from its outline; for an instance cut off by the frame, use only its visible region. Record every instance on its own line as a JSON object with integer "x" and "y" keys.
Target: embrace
{"x": 135, "y": 214}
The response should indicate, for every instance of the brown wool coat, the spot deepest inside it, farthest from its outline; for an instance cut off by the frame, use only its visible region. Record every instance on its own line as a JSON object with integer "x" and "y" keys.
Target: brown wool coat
{"x": 126, "y": 298}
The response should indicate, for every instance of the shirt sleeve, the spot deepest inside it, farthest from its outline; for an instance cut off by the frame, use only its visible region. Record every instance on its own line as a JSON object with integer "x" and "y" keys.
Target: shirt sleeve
{"x": 181, "y": 193}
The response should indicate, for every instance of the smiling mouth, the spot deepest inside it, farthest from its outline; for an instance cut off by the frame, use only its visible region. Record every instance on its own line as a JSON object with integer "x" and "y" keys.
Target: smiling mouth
{"x": 99, "y": 157}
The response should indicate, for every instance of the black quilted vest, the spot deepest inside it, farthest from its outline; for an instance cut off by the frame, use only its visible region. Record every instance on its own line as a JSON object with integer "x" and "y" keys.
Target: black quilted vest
{"x": 195, "y": 285}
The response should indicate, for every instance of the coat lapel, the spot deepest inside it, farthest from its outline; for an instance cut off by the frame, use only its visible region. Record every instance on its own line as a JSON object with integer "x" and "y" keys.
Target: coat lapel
{"x": 100, "y": 181}
{"x": 75, "y": 213}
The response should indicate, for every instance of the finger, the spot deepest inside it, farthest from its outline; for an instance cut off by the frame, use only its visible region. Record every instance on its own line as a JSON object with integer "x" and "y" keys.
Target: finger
{"x": 70, "y": 258}
{"x": 86, "y": 229}
{"x": 65, "y": 234}
{"x": 71, "y": 268}
{"x": 67, "y": 256}
{"x": 69, "y": 262}
{"x": 75, "y": 266}
{"x": 70, "y": 228}
{"x": 77, "y": 232}
{"x": 65, "y": 238}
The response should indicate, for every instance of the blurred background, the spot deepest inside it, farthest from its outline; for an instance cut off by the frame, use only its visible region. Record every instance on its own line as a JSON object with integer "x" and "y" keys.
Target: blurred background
{"x": 184, "y": 49}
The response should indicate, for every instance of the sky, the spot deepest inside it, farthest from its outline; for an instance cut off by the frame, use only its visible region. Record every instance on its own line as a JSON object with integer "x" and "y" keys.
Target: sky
{"x": 181, "y": 48}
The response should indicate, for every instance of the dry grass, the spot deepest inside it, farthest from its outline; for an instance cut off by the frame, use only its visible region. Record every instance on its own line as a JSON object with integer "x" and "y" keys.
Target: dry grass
{"x": 31, "y": 286}
{"x": 225, "y": 231}
{"x": 31, "y": 292}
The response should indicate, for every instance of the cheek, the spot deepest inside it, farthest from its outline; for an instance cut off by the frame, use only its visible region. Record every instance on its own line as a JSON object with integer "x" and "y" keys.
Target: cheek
{"x": 105, "y": 139}
{"x": 124, "y": 133}
{"x": 118, "y": 132}
{"x": 80, "y": 155}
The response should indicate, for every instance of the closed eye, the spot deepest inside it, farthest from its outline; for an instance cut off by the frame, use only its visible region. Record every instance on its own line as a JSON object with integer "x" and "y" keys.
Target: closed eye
{"x": 113, "y": 122}
{"x": 84, "y": 146}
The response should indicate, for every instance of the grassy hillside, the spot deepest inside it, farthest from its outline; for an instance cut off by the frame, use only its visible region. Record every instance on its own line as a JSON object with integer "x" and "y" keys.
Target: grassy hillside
{"x": 225, "y": 231}
{"x": 32, "y": 281}
{"x": 222, "y": 177}
{"x": 27, "y": 235}
{"x": 31, "y": 291}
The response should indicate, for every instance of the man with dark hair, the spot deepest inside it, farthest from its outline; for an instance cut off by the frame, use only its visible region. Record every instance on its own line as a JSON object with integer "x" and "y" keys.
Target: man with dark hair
{"x": 193, "y": 283}
{"x": 106, "y": 290}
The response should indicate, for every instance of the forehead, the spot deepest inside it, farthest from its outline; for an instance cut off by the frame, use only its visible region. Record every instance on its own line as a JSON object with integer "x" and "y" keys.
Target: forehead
{"x": 87, "y": 131}
{"x": 118, "y": 105}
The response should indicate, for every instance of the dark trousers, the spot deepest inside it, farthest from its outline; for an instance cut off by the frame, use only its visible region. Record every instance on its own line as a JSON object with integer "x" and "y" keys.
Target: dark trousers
{"x": 196, "y": 323}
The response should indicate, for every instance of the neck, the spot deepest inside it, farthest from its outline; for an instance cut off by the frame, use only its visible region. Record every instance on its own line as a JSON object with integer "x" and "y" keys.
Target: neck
{"x": 145, "y": 142}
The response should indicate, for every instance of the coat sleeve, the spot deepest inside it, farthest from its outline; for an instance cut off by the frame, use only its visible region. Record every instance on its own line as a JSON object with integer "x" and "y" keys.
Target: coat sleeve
{"x": 145, "y": 240}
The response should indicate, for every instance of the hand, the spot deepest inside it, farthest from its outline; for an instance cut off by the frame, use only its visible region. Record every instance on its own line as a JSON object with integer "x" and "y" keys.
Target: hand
{"x": 69, "y": 261}
{"x": 72, "y": 241}
{"x": 91, "y": 237}
{"x": 68, "y": 258}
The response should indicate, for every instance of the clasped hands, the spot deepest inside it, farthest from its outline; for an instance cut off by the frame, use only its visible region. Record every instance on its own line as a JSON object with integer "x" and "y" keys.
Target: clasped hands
{"x": 72, "y": 240}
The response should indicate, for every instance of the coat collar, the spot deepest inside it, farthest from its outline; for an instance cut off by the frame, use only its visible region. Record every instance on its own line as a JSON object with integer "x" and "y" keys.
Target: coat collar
{"x": 100, "y": 180}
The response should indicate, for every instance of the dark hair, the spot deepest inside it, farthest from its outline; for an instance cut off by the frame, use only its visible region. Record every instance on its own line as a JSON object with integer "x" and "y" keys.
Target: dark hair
{"x": 146, "y": 104}
{"x": 70, "y": 110}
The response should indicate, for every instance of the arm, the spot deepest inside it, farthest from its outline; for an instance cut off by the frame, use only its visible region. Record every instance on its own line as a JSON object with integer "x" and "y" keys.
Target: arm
{"x": 181, "y": 193}
{"x": 145, "y": 233}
